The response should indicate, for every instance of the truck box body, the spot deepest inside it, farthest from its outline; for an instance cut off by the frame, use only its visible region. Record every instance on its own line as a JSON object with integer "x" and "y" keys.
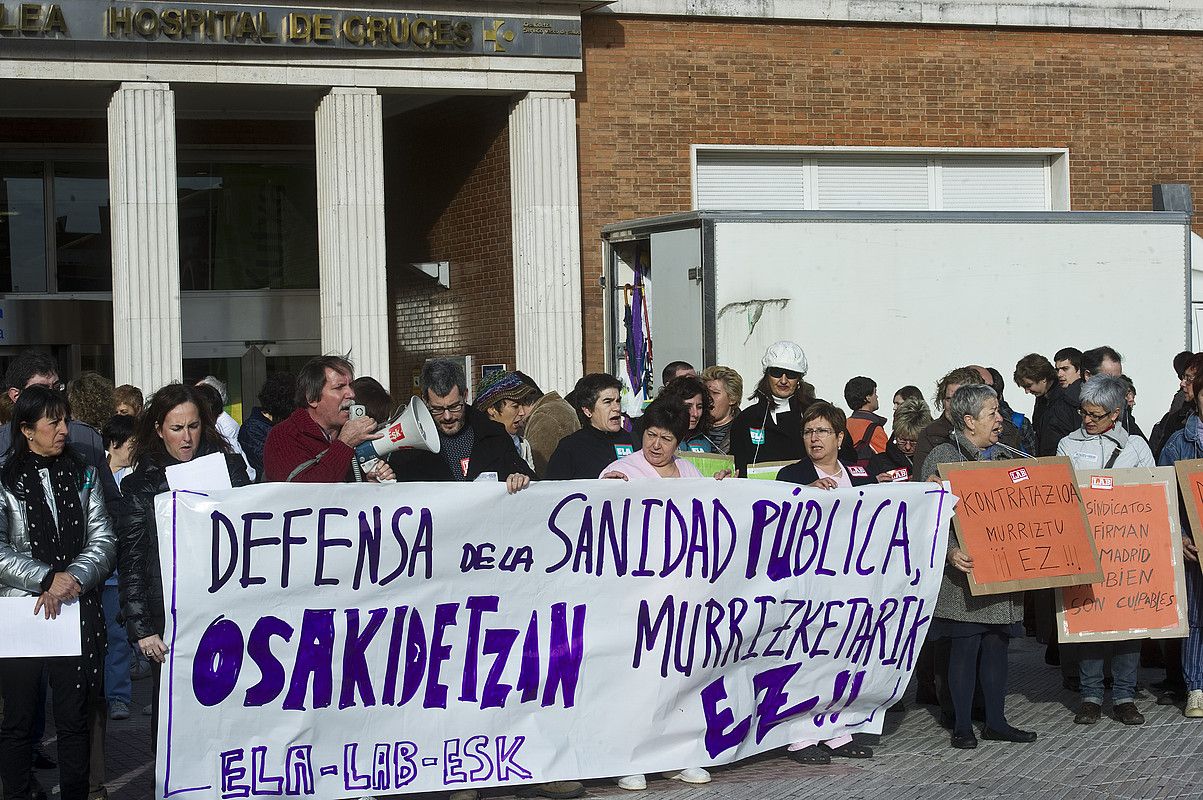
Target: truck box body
{"x": 903, "y": 297}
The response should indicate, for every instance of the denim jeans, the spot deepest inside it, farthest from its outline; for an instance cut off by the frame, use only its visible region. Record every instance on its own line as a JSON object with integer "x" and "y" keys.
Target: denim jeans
{"x": 117, "y": 661}
{"x": 1125, "y": 659}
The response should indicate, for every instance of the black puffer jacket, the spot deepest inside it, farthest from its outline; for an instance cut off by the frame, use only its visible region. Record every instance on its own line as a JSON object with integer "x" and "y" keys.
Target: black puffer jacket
{"x": 140, "y": 581}
{"x": 893, "y": 458}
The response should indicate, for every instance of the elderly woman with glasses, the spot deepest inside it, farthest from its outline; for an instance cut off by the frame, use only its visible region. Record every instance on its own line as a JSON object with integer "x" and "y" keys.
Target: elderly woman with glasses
{"x": 897, "y": 463}
{"x": 1101, "y": 443}
{"x": 980, "y": 625}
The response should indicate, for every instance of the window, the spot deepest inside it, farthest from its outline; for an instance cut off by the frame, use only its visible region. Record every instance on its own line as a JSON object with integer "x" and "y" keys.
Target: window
{"x": 82, "y": 248}
{"x": 241, "y": 225}
{"x": 248, "y": 226}
{"x": 797, "y": 179}
{"x": 22, "y": 227}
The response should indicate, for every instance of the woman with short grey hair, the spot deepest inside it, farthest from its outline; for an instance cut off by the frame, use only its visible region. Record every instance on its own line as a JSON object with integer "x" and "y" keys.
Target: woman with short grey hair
{"x": 1101, "y": 442}
{"x": 968, "y": 625}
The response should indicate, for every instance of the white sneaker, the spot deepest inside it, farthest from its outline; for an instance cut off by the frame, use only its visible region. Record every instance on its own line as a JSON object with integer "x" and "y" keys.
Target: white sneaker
{"x": 633, "y": 783}
{"x": 1194, "y": 704}
{"x": 690, "y": 775}
{"x": 464, "y": 794}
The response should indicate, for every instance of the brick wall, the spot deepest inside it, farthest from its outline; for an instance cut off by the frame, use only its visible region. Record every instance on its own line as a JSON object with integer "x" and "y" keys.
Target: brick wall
{"x": 1127, "y": 106}
{"x": 447, "y": 197}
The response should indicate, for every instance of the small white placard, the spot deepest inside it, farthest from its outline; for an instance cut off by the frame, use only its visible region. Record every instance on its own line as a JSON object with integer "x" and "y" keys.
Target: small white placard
{"x": 204, "y": 474}
{"x": 24, "y": 635}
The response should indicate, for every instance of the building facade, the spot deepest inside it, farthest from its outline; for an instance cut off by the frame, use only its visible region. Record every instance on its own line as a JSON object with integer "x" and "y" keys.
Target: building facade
{"x": 231, "y": 189}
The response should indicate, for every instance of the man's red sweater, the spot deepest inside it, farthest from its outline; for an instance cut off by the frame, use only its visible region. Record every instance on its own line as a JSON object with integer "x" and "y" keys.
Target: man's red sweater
{"x": 298, "y": 439}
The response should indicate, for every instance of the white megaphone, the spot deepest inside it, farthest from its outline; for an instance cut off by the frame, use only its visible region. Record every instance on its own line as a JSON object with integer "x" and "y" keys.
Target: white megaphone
{"x": 412, "y": 429}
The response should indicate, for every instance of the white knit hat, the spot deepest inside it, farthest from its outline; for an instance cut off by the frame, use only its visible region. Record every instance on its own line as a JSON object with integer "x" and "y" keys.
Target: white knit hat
{"x": 785, "y": 355}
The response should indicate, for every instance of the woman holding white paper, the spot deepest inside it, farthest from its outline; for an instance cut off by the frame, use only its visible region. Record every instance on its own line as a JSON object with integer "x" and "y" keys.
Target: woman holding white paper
{"x": 176, "y": 427}
{"x": 56, "y": 544}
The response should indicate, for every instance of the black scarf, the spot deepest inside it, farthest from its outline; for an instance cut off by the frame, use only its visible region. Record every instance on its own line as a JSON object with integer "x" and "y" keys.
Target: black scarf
{"x": 51, "y": 543}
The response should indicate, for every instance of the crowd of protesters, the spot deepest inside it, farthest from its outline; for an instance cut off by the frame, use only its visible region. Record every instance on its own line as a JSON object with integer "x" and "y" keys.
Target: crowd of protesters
{"x": 82, "y": 464}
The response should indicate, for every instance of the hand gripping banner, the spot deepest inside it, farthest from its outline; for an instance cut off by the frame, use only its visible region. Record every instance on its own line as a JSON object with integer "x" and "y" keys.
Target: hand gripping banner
{"x": 330, "y": 640}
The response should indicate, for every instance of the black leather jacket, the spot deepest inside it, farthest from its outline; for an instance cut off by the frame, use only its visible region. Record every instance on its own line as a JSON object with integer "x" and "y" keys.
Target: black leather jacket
{"x": 140, "y": 582}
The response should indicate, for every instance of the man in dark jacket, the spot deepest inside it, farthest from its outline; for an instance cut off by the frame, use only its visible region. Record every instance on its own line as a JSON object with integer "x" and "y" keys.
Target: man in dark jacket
{"x": 1054, "y": 416}
{"x": 940, "y": 430}
{"x": 470, "y": 444}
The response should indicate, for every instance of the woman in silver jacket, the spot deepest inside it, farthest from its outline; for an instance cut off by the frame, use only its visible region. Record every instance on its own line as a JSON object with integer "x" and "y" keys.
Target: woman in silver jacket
{"x": 56, "y": 548}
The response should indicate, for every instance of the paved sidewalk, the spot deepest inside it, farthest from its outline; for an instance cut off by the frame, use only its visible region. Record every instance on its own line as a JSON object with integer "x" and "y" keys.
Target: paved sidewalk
{"x": 1161, "y": 759}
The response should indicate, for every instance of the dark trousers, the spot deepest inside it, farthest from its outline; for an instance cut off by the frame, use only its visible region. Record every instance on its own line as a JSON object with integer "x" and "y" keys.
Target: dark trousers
{"x": 965, "y": 670}
{"x": 156, "y": 674}
{"x": 19, "y": 683}
{"x": 98, "y": 718}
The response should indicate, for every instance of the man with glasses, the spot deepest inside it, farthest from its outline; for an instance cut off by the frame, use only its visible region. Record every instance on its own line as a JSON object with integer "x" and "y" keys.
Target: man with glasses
{"x": 471, "y": 445}
{"x": 31, "y": 368}
{"x": 316, "y": 443}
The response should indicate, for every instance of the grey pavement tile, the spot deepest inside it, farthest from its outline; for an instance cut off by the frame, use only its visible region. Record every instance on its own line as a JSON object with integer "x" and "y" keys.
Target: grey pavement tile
{"x": 1108, "y": 761}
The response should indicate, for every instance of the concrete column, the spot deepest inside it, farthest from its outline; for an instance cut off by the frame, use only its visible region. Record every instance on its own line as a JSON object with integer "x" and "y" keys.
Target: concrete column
{"x": 546, "y": 232}
{"x": 145, "y": 234}
{"x": 350, "y": 228}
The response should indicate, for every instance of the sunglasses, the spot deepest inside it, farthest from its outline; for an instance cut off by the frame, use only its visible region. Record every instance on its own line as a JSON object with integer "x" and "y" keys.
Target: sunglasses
{"x": 777, "y": 372}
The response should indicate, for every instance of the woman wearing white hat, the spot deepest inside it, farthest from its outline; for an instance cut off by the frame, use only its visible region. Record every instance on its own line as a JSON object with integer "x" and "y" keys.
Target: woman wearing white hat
{"x": 770, "y": 430}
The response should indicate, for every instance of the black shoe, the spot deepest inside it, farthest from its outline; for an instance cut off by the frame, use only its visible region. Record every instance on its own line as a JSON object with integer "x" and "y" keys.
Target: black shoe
{"x": 812, "y": 755}
{"x": 1168, "y": 685}
{"x": 1171, "y": 698}
{"x": 41, "y": 760}
{"x": 1129, "y": 714}
{"x": 963, "y": 741}
{"x": 945, "y": 720}
{"x": 1052, "y": 655}
{"x": 897, "y": 708}
{"x": 1009, "y": 735}
{"x": 1088, "y": 714}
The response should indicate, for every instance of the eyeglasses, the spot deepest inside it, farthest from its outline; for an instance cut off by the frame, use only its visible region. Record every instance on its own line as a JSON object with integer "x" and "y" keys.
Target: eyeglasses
{"x": 810, "y": 433}
{"x": 906, "y": 442}
{"x": 1092, "y": 416}
{"x": 777, "y": 372}
{"x": 438, "y": 411}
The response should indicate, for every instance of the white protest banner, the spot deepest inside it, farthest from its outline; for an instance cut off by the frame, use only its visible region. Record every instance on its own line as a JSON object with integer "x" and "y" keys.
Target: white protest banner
{"x": 330, "y": 641}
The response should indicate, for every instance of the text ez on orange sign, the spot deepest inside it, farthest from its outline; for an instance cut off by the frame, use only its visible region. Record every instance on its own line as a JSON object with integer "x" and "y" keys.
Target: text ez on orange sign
{"x": 1022, "y": 523}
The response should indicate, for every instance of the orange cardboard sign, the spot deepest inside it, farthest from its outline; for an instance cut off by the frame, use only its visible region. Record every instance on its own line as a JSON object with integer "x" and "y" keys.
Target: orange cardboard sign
{"x": 1190, "y": 481}
{"x": 1133, "y": 516}
{"x": 1023, "y": 524}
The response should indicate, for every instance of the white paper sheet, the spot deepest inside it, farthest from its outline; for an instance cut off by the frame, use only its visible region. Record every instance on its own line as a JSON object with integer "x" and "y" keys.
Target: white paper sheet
{"x": 204, "y": 474}
{"x": 23, "y": 635}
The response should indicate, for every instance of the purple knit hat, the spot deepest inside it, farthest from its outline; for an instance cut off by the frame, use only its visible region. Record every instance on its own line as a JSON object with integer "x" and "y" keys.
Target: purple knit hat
{"x": 501, "y": 386}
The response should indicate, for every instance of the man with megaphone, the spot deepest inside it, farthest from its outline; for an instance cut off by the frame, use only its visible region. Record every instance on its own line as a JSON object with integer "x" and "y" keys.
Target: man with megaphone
{"x": 316, "y": 443}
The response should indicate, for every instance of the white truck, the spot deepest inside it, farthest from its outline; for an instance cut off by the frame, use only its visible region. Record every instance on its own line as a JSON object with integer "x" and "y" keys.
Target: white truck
{"x": 898, "y": 296}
